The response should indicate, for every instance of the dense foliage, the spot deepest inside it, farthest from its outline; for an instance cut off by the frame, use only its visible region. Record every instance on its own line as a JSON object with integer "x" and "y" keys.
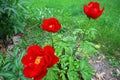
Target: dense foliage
{"x": 11, "y": 19}
{"x": 78, "y": 38}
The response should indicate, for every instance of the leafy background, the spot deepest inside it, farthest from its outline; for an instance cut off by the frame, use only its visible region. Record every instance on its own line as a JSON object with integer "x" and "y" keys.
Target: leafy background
{"x": 78, "y": 38}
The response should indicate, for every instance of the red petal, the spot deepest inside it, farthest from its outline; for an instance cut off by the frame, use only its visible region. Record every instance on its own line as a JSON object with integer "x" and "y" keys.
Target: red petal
{"x": 96, "y": 5}
{"x": 33, "y": 70}
{"x": 27, "y": 59}
{"x": 99, "y": 13}
{"x": 90, "y": 5}
{"x": 49, "y": 53}
{"x": 87, "y": 11}
{"x": 42, "y": 75}
{"x": 93, "y": 10}
{"x": 49, "y": 50}
{"x": 51, "y": 58}
{"x": 30, "y": 71}
{"x": 55, "y": 60}
{"x": 35, "y": 50}
{"x": 102, "y": 9}
{"x": 51, "y": 21}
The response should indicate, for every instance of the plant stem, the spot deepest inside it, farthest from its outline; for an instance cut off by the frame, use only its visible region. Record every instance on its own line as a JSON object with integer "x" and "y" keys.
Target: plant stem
{"x": 52, "y": 40}
{"x": 85, "y": 31}
{"x": 88, "y": 24}
{"x": 87, "y": 28}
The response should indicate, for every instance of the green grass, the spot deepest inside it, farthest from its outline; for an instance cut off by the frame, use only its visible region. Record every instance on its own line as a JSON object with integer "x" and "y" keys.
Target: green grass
{"x": 71, "y": 16}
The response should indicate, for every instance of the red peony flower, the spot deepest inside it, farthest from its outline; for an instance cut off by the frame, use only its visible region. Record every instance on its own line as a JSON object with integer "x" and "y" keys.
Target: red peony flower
{"x": 37, "y": 60}
{"x": 93, "y": 10}
{"x": 51, "y": 25}
{"x": 51, "y": 59}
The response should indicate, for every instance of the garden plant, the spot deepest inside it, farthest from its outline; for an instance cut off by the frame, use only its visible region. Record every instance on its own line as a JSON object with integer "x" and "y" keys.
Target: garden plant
{"x": 57, "y": 41}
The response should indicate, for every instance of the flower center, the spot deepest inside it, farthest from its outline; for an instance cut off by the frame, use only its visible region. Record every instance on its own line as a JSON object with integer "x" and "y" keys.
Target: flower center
{"x": 50, "y": 26}
{"x": 37, "y": 60}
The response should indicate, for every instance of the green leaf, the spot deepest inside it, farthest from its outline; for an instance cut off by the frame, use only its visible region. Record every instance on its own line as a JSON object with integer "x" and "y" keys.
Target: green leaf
{"x": 11, "y": 9}
{"x": 7, "y": 74}
{"x": 21, "y": 55}
{"x": 14, "y": 53}
{"x": 51, "y": 75}
{"x": 82, "y": 64}
{"x": 85, "y": 69}
{"x": 71, "y": 63}
{"x": 86, "y": 76}
{"x": 63, "y": 76}
{"x": 71, "y": 76}
{"x": 6, "y": 66}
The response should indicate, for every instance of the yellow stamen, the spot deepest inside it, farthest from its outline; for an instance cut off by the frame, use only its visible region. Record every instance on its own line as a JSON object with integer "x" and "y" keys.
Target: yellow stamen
{"x": 50, "y": 26}
{"x": 37, "y": 60}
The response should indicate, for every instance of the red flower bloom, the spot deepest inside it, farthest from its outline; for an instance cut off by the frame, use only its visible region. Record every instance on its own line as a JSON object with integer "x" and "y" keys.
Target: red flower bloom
{"x": 51, "y": 25}
{"x": 51, "y": 59}
{"x": 93, "y": 10}
{"x": 37, "y": 60}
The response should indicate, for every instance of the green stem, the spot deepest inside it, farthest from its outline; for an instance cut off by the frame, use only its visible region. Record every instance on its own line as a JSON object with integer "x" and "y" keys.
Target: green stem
{"x": 87, "y": 28}
{"x": 88, "y": 24}
{"x": 52, "y": 40}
